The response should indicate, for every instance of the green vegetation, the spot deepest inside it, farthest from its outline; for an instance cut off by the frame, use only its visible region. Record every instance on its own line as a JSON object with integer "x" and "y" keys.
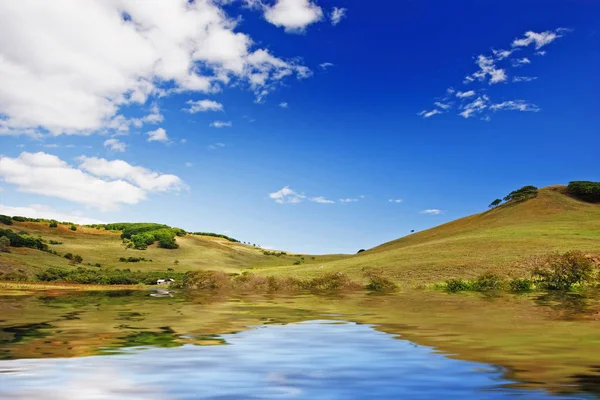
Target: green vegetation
{"x": 23, "y": 240}
{"x": 104, "y": 276}
{"x": 141, "y": 235}
{"x": 6, "y": 220}
{"x": 73, "y": 227}
{"x": 495, "y": 203}
{"x": 217, "y": 235}
{"x": 132, "y": 259}
{"x": 4, "y": 244}
{"x": 53, "y": 224}
{"x": 585, "y": 190}
{"x": 525, "y": 193}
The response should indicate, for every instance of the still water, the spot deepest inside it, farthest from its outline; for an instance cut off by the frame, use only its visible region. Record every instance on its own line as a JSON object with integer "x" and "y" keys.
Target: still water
{"x": 413, "y": 346}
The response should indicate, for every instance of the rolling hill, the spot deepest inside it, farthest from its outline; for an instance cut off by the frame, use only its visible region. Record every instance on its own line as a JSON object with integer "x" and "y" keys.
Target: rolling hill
{"x": 495, "y": 240}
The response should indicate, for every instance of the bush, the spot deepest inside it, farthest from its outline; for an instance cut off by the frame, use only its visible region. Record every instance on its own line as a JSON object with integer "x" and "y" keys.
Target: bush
{"x": 585, "y": 190}
{"x": 68, "y": 256}
{"x": 487, "y": 282}
{"x": 104, "y": 276}
{"x": 562, "y": 271}
{"x": 23, "y": 240}
{"x": 525, "y": 193}
{"x": 520, "y": 285}
{"x": 77, "y": 259}
{"x": 380, "y": 284}
{"x": 4, "y": 244}
{"x": 6, "y": 220}
{"x": 54, "y": 242}
{"x": 360, "y": 251}
{"x": 457, "y": 285}
{"x": 211, "y": 280}
{"x": 53, "y": 224}
{"x": 73, "y": 227}
{"x": 19, "y": 219}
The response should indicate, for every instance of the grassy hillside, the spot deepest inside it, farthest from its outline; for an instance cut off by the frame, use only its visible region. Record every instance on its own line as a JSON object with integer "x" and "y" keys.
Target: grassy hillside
{"x": 104, "y": 247}
{"x": 494, "y": 240}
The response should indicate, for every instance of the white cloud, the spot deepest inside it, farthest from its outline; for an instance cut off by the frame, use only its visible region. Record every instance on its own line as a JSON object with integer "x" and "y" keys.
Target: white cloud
{"x": 475, "y": 107}
{"x": 540, "y": 39}
{"x": 515, "y": 105}
{"x": 524, "y": 78}
{"x": 348, "y": 200}
{"x": 321, "y": 200}
{"x": 487, "y": 68}
{"x": 540, "y": 53}
{"x": 443, "y": 106}
{"x": 115, "y": 145}
{"x": 293, "y": 15}
{"x": 397, "y": 201}
{"x": 287, "y": 195}
{"x": 216, "y": 146}
{"x": 502, "y": 54}
{"x": 427, "y": 114}
{"x": 519, "y": 62}
{"x": 143, "y": 178}
{"x": 462, "y": 95}
{"x": 57, "y": 82}
{"x": 189, "y": 164}
{"x": 431, "y": 211}
{"x": 221, "y": 124}
{"x": 203, "y": 106}
{"x": 326, "y": 65}
{"x": 40, "y": 211}
{"x": 337, "y": 14}
{"x": 158, "y": 135}
{"x": 47, "y": 175}
{"x": 284, "y": 104}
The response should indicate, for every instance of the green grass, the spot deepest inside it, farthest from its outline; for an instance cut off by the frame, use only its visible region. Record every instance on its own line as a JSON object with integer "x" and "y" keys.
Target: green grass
{"x": 493, "y": 241}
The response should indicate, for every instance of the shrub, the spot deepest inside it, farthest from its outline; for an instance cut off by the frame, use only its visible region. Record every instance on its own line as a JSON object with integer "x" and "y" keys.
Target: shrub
{"x": 77, "y": 259}
{"x": 6, "y": 220}
{"x": 562, "y": 271}
{"x": 19, "y": 219}
{"x": 298, "y": 262}
{"x": 585, "y": 190}
{"x": 54, "y": 242}
{"x": 68, "y": 256}
{"x": 457, "y": 285}
{"x": 487, "y": 282}
{"x": 53, "y": 224}
{"x": 520, "y": 285}
{"x": 104, "y": 276}
{"x": 525, "y": 193}
{"x": 23, "y": 240}
{"x": 380, "y": 284}
{"x": 4, "y": 244}
{"x": 211, "y": 280}
{"x": 360, "y": 251}
{"x": 329, "y": 282}
{"x": 73, "y": 227}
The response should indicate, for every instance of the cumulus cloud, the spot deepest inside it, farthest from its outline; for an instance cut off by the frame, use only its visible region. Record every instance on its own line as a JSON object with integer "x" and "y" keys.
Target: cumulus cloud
{"x": 539, "y": 40}
{"x": 284, "y": 104}
{"x": 158, "y": 135}
{"x": 293, "y": 15}
{"x": 397, "y": 201}
{"x": 59, "y": 83}
{"x": 321, "y": 200}
{"x": 40, "y": 211}
{"x": 515, "y": 105}
{"x": 431, "y": 211}
{"x": 337, "y": 15}
{"x": 287, "y": 196}
{"x": 203, "y": 106}
{"x": 221, "y": 124}
{"x": 96, "y": 182}
{"x": 115, "y": 145}
{"x": 428, "y": 114}
{"x": 462, "y": 95}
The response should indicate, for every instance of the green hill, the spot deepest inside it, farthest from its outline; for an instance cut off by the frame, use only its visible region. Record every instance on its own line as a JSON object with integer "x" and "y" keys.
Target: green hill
{"x": 497, "y": 240}
{"x": 106, "y": 249}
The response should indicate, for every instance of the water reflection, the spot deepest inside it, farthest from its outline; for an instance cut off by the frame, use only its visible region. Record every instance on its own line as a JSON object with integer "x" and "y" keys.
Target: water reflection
{"x": 413, "y": 345}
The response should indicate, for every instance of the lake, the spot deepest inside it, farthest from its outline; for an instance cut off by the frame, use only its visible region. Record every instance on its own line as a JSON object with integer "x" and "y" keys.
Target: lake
{"x": 131, "y": 345}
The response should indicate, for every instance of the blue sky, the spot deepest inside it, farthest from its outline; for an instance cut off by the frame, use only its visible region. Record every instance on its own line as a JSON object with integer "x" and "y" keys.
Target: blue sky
{"x": 95, "y": 127}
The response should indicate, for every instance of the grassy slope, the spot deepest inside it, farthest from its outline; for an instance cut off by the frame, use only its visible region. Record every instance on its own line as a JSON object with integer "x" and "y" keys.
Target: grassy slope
{"x": 490, "y": 241}
{"x": 105, "y": 247}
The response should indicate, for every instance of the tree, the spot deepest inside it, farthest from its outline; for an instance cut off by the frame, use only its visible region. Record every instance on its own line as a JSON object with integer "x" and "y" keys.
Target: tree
{"x": 73, "y": 227}
{"x": 585, "y": 190}
{"x": 495, "y": 203}
{"x": 525, "y": 193}
{"x": 4, "y": 244}
{"x": 360, "y": 251}
{"x": 53, "y": 224}
{"x": 6, "y": 220}
{"x": 68, "y": 256}
{"x": 77, "y": 259}
{"x": 176, "y": 262}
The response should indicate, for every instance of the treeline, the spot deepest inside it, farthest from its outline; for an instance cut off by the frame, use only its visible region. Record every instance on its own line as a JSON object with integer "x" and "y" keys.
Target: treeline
{"x": 105, "y": 276}
{"x": 519, "y": 195}
{"x": 140, "y": 235}
{"x": 585, "y": 190}
{"x": 7, "y": 220}
{"x": 23, "y": 240}
{"x": 218, "y": 235}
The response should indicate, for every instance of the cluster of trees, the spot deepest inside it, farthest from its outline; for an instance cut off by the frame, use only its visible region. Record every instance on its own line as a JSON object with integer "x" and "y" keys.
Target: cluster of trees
{"x": 105, "y": 276}
{"x": 216, "y": 235}
{"x": 133, "y": 259}
{"x": 522, "y": 194}
{"x": 141, "y": 235}
{"x": 75, "y": 259}
{"x": 23, "y": 240}
{"x": 585, "y": 190}
{"x": 274, "y": 253}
